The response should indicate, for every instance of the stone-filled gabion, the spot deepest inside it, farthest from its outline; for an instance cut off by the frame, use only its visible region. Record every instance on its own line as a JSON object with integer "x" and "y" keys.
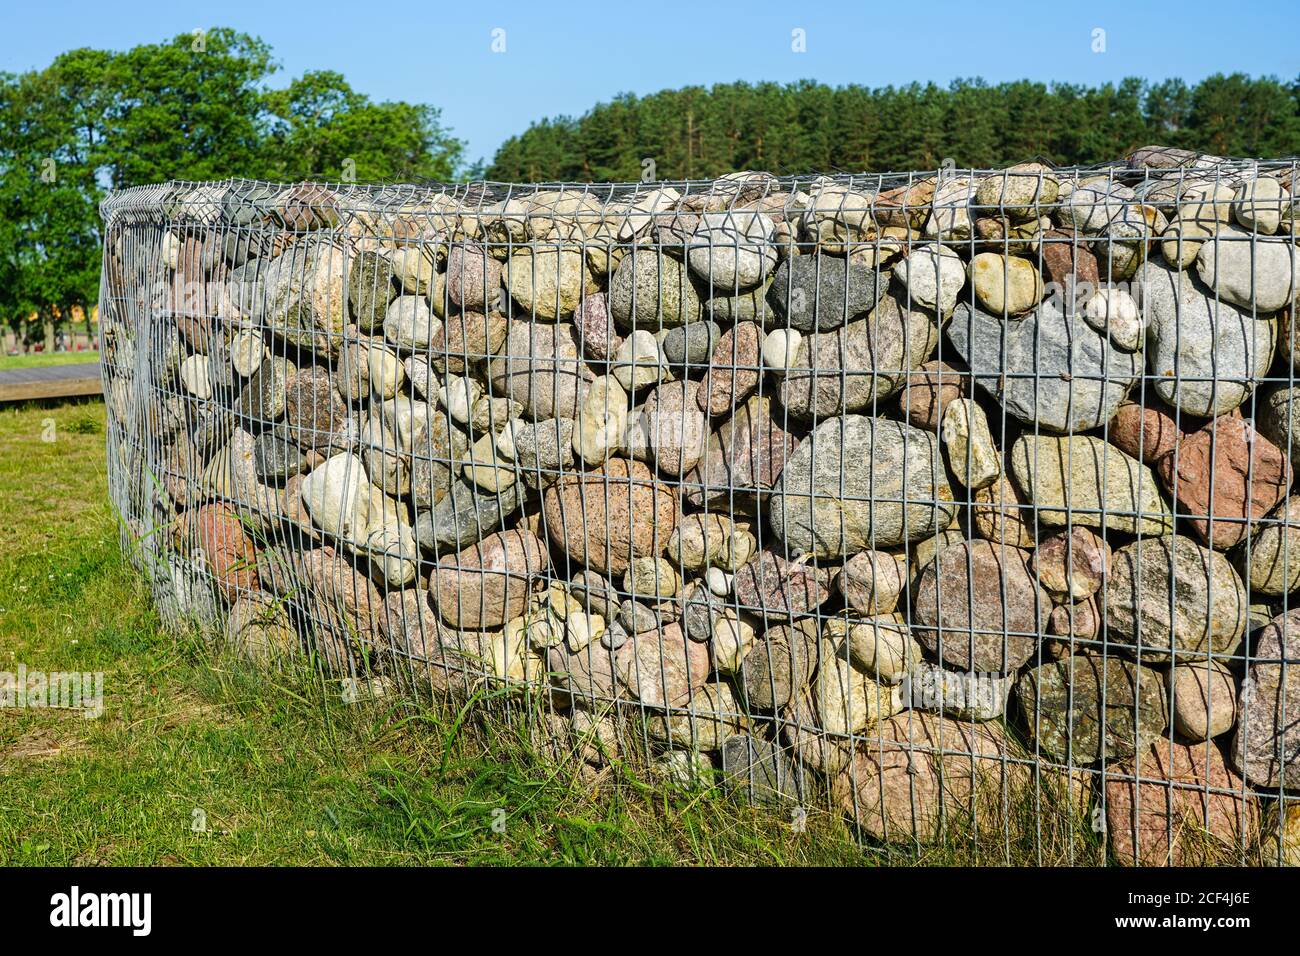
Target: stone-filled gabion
{"x": 930, "y": 494}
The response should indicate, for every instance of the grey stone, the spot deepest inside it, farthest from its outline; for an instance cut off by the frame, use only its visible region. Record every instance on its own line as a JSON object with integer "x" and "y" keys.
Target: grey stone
{"x": 651, "y": 290}
{"x": 1266, "y": 747}
{"x": 1206, "y": 355}
{"x": 545, "y": 446}
{"x": 757, "y": 770}
{"x": 371, "y": 287}
{"x": 1057, "y": 373}
{"x": 847, "y": 369}
{"x": 263, "y": 397}
{"x": 1209, "y": 603}
{"x": 465, "y": 515}
{"x": 275, "y": 455}
{"x": 857, "y": 483}
{"x": 812, "y": 293}
{"x": 1254, "y": 273}
{"x": 780, "y": 666}
{"x": 1082, "y": 708}
{"x": 636, "y": 617}
{"x": 691, "y": 344}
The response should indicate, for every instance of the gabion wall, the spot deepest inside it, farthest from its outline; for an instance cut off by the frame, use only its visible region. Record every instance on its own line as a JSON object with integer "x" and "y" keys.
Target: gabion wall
{"x": 959, "y": 502}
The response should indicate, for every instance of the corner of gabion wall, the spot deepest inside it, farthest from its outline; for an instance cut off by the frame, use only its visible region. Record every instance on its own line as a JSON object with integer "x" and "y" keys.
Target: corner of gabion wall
{"x": 915, "y": 490}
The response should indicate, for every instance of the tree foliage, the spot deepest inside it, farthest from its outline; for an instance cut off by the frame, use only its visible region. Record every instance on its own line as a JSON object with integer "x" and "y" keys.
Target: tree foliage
{"x": 804, "y": 127}
{"x": 197, "y": 107}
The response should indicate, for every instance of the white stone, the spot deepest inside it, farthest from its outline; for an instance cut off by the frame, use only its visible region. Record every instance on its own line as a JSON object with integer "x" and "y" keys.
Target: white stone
{"x": 458, "y": 397}
{"x": 1113, "y": 312}
{"x": 195, "y": 376}
{"x": 385, "y": 369}
{"x": 882, "y": 646}
{"x": 733, "y": 639}
{"x": 640, "y": 361}
{"x": 337, "y": 494}
{"x": 602, "y": 421}
{"x": 781, "y": 349}
{"x": 933, "y": 276}
{"x": 718, "y": 581}
{"x": 247, "y": 351}
{"x": 973, "y": 458}
{"x": 643, "y": 209}
{"x": 409, "y": 324}
{"x": 1258, "y": 204}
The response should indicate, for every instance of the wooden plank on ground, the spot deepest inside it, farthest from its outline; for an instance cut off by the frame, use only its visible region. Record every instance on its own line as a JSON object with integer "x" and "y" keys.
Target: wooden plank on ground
{"x": 51, "y": 381}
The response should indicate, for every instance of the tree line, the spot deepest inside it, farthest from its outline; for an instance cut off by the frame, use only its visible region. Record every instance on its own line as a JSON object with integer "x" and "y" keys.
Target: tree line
{"x": 699, "y": 133}
{"x": 199, "y": 106}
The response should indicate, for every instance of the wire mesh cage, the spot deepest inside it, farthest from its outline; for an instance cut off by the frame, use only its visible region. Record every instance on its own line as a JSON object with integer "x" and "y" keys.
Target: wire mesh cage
{"x": 956, "y": 502}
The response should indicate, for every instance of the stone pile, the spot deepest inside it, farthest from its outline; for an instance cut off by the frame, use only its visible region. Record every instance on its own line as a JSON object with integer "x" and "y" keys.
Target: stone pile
{"x": 893, "y": 487}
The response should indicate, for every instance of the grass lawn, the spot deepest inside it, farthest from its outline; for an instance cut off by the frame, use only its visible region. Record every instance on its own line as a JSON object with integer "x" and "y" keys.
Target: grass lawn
{"x": 276, "y": 766}
{"x": 41, "y": 359}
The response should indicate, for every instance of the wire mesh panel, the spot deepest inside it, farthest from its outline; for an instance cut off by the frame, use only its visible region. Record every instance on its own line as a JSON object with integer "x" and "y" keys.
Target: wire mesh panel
{"x": 958, "y": 503}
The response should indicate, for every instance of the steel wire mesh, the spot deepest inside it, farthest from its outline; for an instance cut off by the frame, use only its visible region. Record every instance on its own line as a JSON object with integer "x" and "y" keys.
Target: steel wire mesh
{"x": 955, "y": 502}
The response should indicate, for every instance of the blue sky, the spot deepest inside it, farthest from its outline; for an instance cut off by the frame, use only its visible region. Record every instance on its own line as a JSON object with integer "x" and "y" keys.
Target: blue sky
{"x": 563, "y": 57}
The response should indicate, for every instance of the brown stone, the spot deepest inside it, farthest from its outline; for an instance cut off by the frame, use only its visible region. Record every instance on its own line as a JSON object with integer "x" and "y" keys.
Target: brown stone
{"x": 541, "y": 368}
{"x": 1231, "y": 463}
{"x": 1070, "y": 266}
{"x": 231, "y": 556}
{"x": 744, "y": 455}
{"x": 780, "y": 666}
{"x": 605, "y": 517}
{"x": 473, "y": 277}
{"x": 1002, "y": 515}
{"x": 661, "y": 668}
{"x": 595, "y": 328}
{"x": 920, "y": 773}
{"x": 735, "y": 368}
{"x": 769, "y": 584}
{"x": 674, "y": 428}
{"x": 341, "y": 601}
{"x": 1146, "y": 432}
{"x": 1072, "y": 565}
{"x": 587, "y": 676}
{"x": 929, "y": 391}
{"x": 468, "y": 338}
{"x": 488, "y": 584}
{"x": 1185, "y": 789}
{"x": 978, "y": 607}
{"x": 1081, "y": 621}
{"x": 314, "y": 411}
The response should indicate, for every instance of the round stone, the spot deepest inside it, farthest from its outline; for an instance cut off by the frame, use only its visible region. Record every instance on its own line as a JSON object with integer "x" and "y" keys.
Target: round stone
{"x": 1169, "y": 594}
{"x": 549, "y": 282}
{"x": 541, "y": 368}
{"x": 859, "y": 483}
{"x": 979, "y": 608}
{"x": 651, "y": 290}
{"x": 1084, "y": 708}
{"x": 473, "y": 277}
{"x": 605, "y": 517}
{"x": 811, "y": 293}
{"x": 488, "y": 584}
{"x": 1203, "y": 699}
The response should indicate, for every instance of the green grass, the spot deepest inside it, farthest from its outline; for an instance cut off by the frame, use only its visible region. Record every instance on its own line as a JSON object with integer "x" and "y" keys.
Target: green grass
{"x": 42, "y": 359}
{"x": 279, "y": 767}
